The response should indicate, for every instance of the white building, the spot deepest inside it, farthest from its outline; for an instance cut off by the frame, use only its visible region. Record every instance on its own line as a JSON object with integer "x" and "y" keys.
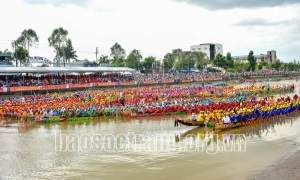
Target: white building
{"x": 211, "y": 50}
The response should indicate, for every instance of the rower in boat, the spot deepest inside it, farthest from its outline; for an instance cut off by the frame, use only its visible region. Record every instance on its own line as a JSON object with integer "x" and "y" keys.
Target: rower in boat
{"x": 226, "y": 118}
{"x": 201, "y": 116}
{"x": 194, "y": 117}
{"x": 47, "y": 115}
{"x": 140, "y": 110}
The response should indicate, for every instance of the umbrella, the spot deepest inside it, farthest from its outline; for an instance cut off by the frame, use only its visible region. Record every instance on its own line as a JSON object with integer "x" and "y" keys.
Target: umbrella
{"x": 87, "y": 73}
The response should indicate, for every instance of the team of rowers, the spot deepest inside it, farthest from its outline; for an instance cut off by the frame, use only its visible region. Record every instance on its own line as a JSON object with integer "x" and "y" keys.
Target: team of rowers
{"x": 245, "y": 114}
{"x": 146, "y": 100}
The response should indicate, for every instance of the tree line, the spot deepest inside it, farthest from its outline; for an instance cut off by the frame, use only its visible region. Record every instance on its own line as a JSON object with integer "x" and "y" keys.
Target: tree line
{"x": 64, "y": 52}
{"x": 175, "y": 60}
{"x": 59, "y": 40}
{"x": 252, "y": 64}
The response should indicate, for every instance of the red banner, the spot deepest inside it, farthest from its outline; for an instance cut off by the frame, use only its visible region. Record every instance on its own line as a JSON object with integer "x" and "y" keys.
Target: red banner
{"x": 187, "y": 81}
{"x": 127, "y": 83}
{"x": 54, "y": 87}
{"x": 25, "y": 88}
{"x": 79, "y": 85}
{"x": 1, "y": 90}
{"x": 150, "y": 82}
{"x": 167, "y": 81}
{"x": 105, "y": 84}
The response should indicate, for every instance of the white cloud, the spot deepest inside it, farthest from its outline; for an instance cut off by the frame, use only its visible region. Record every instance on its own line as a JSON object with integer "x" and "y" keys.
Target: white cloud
{"x": 59, "y": 2}
{"x": 230, "y": 4}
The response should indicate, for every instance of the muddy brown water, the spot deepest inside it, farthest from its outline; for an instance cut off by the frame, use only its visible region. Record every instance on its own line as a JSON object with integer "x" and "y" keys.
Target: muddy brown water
{"x": 141, "y": 148}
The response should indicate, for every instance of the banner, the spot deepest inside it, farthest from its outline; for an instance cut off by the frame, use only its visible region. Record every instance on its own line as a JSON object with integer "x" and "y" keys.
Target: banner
{"x": 54, "y": 87}
{"x": 150, "y": 82}
{"x": 79, "y": 85}
{"x": 187, "y": 81}
{"x": 25, "y": 88}
{"x": 167, "y": 81}
{"x": 127, "y": 83}
{"x": 105, "y": 84}
{"x": 1, "y": 90}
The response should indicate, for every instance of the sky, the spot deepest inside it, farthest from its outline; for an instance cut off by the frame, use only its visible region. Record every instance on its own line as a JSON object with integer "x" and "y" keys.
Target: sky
{"x": 155, "y": 27}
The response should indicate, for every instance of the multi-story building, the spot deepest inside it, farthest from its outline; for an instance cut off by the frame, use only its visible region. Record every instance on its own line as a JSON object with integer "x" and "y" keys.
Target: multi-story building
{"x": 271, "y": 56}
{"x": 5, "y": 60}
{"x": 210, "y": 49}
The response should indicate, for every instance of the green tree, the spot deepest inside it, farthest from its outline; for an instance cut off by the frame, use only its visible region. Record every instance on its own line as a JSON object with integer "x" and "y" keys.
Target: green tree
{"x": 59, "y": 41}
{"x": 191, "y": 58}
{"x": 133, "y": 59}
{"x": 180, "y": 61}
{"x": 169, "y": 60}
{"x": 44, "y": 65}
{"x": 239, "y": 66}
{"x": 148, "y": 62}
{"x": 178, "y": 65}
{"x": 6, "y": 51}
{"x": 220, "y": 61}
{"x": 20, "y": 54}
{"x": 251, "y": 59}
{"x": 262, "y": 64}
{"x": 185, "y": 60}
{"x": 103, "y": 59}
{"x": 262, "y": 58}
{"x": 70, "y": 53}
{"x": 290, "y": 66}
{"x": 157, "y": 64}
{"x": 277, "y": 65}
{"x": 200, "y": 60}
{"x": 117, "y": 53}
{"x": 27, "y": 39}
{"x": 120, "y": 62}
{"x": 229, "y": 60}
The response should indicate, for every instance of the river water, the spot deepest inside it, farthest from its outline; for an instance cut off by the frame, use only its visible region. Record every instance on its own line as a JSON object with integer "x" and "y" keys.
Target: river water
{"x": 141, "y": 148}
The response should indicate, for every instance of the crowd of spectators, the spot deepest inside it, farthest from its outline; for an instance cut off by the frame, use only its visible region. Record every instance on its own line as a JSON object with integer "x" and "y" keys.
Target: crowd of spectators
{"x": 229, "y": 75}
{"x": 59, "y": 79}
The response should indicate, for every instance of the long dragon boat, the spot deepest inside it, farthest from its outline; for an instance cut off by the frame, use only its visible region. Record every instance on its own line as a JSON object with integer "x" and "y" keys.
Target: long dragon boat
{"x": 232, "y": 125}
{"x": 87, "y": 115}
{"x": 260, "y": 120}
{"x": 54, "y": 119}
{"x": 188, "y": 122}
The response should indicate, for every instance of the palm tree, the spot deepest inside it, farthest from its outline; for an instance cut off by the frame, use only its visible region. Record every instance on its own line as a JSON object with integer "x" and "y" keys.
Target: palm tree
{"x": 7, "y": 52}
{"x": 58, "y": 40}
{"x": 27, "y": 39}
{"x": 103, "y": 59}
{"x": 68, "y": 52}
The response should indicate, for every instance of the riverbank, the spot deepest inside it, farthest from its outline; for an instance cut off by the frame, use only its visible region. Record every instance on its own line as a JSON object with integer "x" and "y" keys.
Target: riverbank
{"x": 287, "y": 168}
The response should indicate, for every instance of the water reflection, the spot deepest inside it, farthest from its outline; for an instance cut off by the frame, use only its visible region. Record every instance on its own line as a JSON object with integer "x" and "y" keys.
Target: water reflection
{"x": 250, "y": 131}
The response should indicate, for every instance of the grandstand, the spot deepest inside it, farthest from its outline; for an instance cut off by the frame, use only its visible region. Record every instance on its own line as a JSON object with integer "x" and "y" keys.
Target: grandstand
{"x": 56, "y": 77}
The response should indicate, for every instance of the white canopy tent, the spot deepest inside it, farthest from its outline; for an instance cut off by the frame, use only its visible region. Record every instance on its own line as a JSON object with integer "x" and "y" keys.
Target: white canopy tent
{"x": 63, "y": 69}
{"x": 6, "y": 71}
